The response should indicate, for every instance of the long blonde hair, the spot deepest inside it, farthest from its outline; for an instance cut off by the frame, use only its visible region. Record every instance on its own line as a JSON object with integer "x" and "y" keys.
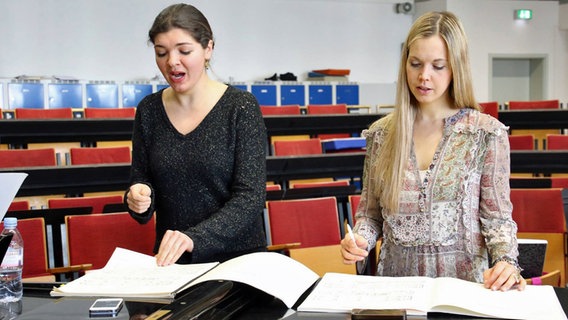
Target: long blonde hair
{"x": 392, "y": 160}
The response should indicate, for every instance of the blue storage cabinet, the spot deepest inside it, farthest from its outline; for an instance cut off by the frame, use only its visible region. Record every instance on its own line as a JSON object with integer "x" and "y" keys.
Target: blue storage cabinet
{"x": 161, "y": 86}
{"x": 102, "y": 95}
{"x": 26, "y": 95}
{"x": 65, "y": 95}
{"x": 265, "y": 94}
{"x": 133, "y": 93}
{"x": 320, "y": 94}
{"x": 239, "y": 85}
{"x": 347, "y": 94}
{"x": 292, "y": 94}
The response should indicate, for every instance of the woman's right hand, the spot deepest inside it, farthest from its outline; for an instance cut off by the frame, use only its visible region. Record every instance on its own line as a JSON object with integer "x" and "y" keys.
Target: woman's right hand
{"x": 138, "y": 198}
{"x": 354, "y": 251}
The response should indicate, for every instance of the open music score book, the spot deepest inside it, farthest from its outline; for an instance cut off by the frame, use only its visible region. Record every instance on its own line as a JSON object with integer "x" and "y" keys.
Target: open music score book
{"x": 340, "y": 293}
{"x": 130, "y": 274}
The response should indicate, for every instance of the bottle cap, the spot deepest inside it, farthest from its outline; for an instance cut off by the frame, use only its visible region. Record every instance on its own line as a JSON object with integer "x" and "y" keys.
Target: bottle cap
{"x": 10, "y": 222}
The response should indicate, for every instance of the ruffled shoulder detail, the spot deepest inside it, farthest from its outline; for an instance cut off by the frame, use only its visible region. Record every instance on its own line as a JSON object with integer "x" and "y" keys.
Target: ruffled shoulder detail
{"x": 377, "y": 127}
{"x": 473, "y": 121}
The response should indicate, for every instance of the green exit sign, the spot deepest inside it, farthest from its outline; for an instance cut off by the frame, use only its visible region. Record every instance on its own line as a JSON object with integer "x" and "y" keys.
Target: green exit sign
{"x": 523, "y": 14}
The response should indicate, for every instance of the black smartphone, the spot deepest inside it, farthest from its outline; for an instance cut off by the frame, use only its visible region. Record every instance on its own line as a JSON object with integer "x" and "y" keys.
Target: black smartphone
{"x": 107, "y": 307}
{"x": 387, "y": 314}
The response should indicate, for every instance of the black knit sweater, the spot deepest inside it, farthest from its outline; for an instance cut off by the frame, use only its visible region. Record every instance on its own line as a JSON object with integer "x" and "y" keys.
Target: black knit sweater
{"x": 209, "y": 183}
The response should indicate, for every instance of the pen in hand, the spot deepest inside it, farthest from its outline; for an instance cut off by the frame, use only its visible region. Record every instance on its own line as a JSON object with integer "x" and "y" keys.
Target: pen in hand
{"x": 351, "y": 235}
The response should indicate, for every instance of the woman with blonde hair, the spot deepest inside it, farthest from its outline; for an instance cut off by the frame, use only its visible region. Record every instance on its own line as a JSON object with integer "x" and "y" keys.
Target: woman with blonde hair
{"x": 436, "y": 177}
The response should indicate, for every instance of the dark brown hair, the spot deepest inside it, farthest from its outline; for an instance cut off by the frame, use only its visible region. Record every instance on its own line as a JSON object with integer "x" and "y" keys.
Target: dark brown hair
{"x": 182, "y": 16}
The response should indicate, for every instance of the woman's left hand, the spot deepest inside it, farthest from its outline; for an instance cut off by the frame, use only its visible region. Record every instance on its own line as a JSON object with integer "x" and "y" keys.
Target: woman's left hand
{"x": 503, "y": 276}
{"x": 173, "y": 245}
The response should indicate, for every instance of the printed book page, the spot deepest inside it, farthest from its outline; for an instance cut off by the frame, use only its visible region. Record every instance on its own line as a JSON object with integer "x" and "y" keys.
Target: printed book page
{"x": 419, "y": 295}
{"x": 132, "y": 274}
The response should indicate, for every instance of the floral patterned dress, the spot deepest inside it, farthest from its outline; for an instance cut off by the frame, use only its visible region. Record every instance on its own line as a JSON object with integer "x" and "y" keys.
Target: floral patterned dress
{"x": 454, "y": 222}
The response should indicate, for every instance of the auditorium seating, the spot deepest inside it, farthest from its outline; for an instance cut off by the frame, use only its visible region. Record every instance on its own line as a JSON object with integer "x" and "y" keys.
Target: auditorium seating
{"x": 329, "y": 109}
{"x": 280, "y": 110}
{"x": 309, "y": 231}
{"x": 92, "y": 238}
{"x": 61, "y": 113}
{"x": 557, "y": 142}
{"x": 283, "y": 110}
{"x": 491, "y": 108}
{"x": 371, "y": 267}
{"x": 111, "y": 113}
{"x": 14, "y": 158}
{"x": 559, "y": 182}
{"x": 97, "y": 113}
{"x": 522, "y": 142}
{"x": 35, "y": 253}
{"x": 45, "y": 114}
{"x": 272, "y": 187}
{"x": 96, "y": 202}
{"x": 319, "y": 184}
{"x": 311, "y": 222}
{"x": 540, "y": 134}
{"x": 534, "y": 104}
{"x": 353, "y": 205}
{"x": 322, "y": 259}
{"x": 539, "y": 182}
{"x": 19, "y": 205}
{"x": 297, "y": 147}
{"x": 36, "y": 269}
{"x": 539, "y": 214}
{"x": 100, "y": 155}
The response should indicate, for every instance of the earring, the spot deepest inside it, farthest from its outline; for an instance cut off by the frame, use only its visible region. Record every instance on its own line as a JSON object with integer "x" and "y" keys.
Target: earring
{"x": 207, "y": 66}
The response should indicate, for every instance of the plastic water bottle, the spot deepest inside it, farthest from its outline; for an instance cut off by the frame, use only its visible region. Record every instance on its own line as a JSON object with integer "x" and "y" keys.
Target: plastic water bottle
{"x": 11, "y": 288}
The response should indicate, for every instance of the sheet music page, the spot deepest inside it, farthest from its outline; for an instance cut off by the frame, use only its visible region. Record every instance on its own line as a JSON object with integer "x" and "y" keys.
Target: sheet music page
{"x": 343, "y": 292}
{"x": 271, "y": 272}
{"x": 10, "y": 183}
{"x": 535, "y": 302}
{"x": 122, "y": 258}
{"x": 132, "y": 274}
{"x": 338, "y": 292}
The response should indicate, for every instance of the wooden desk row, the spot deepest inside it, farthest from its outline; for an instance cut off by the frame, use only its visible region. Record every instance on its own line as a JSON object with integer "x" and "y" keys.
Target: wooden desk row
{"x": 88, "y": 131}
{"x": 535, "y": 119}
{"x": 84, "y": 178}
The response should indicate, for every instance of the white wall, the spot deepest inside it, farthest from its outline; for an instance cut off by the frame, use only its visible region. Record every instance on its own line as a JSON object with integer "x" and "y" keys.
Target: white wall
{"x": 492, "y": 30}
{"x": 107, "y": 39}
